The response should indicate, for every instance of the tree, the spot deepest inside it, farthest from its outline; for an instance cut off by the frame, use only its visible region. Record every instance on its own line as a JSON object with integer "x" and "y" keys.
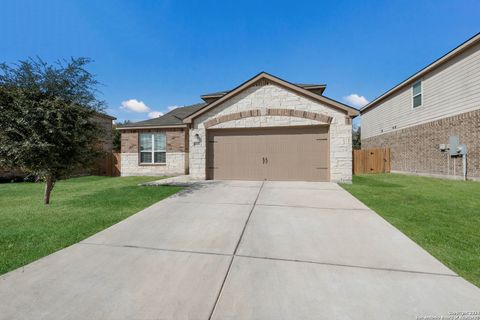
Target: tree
{"x": 47, "y": 125}
{"x": 356, "y": 138}
{"x": 117, "y": 135}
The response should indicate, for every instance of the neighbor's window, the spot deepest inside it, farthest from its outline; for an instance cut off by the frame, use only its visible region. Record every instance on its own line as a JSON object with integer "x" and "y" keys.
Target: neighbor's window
{"x": 152, "y": 148}
{"x": 417, "y": 94}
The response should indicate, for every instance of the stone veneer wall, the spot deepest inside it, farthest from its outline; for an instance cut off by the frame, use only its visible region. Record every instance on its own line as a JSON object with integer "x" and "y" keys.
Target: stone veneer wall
{"x": 175, "y": 165}
{"x": 176, "y": 155}
{"x": 416, "y": 149}
{"x": 275, "y": 97}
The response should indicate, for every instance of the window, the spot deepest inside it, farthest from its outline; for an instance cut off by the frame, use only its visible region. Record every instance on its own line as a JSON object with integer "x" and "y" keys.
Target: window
{"x": 417, "y": 94}
{"x": 152, "y": 148}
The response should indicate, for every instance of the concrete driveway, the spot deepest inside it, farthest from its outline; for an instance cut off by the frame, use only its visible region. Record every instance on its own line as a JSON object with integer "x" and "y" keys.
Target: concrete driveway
{"x": 241, "y": 250}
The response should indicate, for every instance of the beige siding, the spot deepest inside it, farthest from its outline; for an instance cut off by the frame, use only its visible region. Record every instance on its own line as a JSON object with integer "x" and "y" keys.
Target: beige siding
{"x": 451, "y": 89}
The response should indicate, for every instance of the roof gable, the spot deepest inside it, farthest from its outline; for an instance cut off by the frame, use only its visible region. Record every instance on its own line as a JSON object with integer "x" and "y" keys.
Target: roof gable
{"x": 282, "y": 83}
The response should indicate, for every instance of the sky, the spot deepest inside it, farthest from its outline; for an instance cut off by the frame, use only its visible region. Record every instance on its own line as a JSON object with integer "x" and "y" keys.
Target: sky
{"x": 153, "y": 56}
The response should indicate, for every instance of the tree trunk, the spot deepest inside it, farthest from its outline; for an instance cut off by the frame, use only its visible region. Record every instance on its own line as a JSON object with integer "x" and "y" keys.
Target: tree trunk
{"x": 49, "y": 183}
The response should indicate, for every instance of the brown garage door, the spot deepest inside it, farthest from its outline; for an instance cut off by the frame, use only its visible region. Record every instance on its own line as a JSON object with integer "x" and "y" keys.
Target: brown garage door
{"x": 287, "y": 153}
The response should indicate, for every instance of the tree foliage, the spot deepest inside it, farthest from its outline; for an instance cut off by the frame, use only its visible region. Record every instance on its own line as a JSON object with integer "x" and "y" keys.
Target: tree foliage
{"x": 47, "y": 123}
{"x": 356, "y": 138}
{"x": 117, "y": 135}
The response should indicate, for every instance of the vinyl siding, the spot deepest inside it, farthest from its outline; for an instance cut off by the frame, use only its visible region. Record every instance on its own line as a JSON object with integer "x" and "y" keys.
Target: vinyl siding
{"x": 450, "y": 89}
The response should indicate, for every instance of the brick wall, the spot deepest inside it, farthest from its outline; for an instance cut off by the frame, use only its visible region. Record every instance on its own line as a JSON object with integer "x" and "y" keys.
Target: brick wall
{"x": 176, "y": 141}
{"x": 129, "y": 141}
{"x": 416, "y": 149}
{"x": 107, "y": 137}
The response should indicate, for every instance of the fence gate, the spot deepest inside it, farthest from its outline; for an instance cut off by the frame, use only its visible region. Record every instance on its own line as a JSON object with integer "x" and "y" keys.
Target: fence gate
{"x": 375, "y": 160}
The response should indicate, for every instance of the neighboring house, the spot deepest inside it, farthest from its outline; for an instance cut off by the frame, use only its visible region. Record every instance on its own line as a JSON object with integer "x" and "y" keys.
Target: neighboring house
{"x": 102, "y": 166}
{"x": 264, "y": 129}
{"x": 421, "y": 113}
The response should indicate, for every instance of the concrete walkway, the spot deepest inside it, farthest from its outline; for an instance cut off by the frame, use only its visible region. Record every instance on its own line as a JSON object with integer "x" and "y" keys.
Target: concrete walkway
{"x": 241, "y": 250}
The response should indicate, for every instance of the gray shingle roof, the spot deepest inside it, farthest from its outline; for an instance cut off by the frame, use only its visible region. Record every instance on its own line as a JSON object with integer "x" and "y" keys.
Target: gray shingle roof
{"x": 173, "y": 118}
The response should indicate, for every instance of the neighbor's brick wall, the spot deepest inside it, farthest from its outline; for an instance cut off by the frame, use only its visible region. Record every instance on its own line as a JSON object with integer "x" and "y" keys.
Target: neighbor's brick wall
{"x": 176, "y": 157}
{"x": 275, "y": 97}
{"x": 415, "y": 149}
{"x": 107, "y": 127}
{"x": 99, "y": 167}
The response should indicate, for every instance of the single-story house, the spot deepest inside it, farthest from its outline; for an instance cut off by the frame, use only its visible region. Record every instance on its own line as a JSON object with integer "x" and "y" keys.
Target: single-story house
{"x": 264, "y": 129}
{"x": 417, "y": 118}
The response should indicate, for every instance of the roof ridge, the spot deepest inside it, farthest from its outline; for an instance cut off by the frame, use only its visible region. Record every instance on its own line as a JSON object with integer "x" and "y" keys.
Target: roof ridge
{"x": 303, "y": 85}
{"x": 172, "y": 118}
{"x": 459, "y": 49}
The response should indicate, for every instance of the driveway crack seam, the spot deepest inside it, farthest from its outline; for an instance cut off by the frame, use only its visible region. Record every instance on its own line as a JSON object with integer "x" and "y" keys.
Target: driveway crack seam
{"x": 349, "y": 266}
{"x": 308, "y": 207}
{"x": 154, "y": 249}
{"x": 234, "y": 253}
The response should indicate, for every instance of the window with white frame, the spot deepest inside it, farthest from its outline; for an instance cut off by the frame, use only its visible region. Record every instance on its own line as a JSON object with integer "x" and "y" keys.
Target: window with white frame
{"x": 152, "y": 148}
{"x": 417, "y": 94}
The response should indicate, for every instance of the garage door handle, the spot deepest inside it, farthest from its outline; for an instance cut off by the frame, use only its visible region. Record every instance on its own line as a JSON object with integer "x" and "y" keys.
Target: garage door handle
{"x": 266, "y": 160}
{"x": 263, "y": 160}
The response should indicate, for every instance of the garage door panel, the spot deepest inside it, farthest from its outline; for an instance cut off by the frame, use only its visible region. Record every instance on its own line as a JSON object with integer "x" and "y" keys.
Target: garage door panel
{"x": 288, "y": 153}
{"x": 234, "y": 156}
{"x": 300, "y": 154}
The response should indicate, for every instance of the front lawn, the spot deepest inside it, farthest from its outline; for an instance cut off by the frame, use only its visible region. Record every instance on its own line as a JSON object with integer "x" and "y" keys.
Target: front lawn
{"x": 443, "y": 216}
{"x": 79, "y": 208}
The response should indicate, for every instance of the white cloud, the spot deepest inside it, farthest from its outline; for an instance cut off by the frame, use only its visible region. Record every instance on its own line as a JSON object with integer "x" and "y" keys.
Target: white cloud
{"x": 155, "y": 114}
{"x": 356, "y": 100}
{"x": 170, "y": 108}
{"x": 135, "y": 106}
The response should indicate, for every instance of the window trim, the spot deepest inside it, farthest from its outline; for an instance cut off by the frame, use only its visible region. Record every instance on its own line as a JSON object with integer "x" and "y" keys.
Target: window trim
{"x": 153, "y": 150}
{"x": 418, "y": 94}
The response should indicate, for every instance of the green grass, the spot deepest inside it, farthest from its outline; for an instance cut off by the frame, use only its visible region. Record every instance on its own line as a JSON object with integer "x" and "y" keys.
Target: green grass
{"x": 443, "y": 216}
{"x": 79, "y": 208}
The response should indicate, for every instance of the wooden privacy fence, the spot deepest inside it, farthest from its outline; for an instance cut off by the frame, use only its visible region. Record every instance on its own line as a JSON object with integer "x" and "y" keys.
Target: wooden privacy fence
{"x": 116, "y": 164}
{"x": 371, "y": 160}
{"x": 108, "y": 165}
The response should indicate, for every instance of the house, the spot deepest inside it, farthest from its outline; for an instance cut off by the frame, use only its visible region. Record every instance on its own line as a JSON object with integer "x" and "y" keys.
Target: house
{"x": 264, "y": 129}
{"x": 417, "y": 118}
